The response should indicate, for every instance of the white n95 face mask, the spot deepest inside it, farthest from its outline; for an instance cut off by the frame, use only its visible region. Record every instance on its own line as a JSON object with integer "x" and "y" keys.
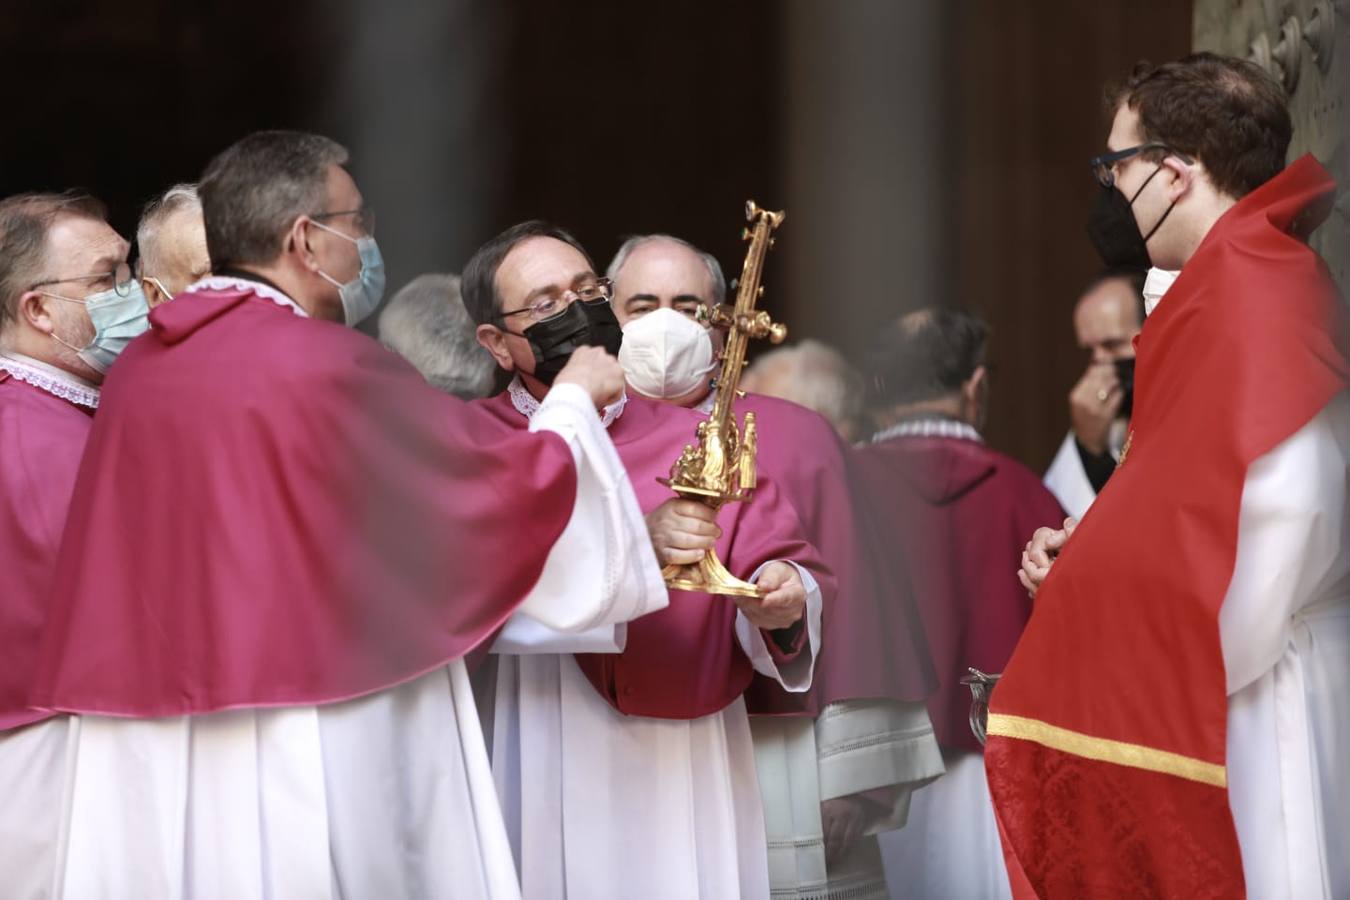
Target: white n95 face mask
{"x": 1155, "y": 285}
{"x": 666, "y": 354}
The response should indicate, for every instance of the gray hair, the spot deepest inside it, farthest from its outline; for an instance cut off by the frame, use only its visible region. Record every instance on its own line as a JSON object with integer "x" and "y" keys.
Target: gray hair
{"x": 154, "y": 215}
{"x": 814, "y": 375}
{"x": 636, "y": 241}
{"x": 426, "y": 323}
{"x": 255, "y": 189}
{"x": 25, "y": 220}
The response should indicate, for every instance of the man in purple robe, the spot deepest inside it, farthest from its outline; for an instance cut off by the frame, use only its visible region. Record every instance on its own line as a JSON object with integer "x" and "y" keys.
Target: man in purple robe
{"x": 627, "y": 769}
{"x": 58, "y": 259}
{"x": 860, "y": 739}
{"x": 283, "y": 543}
{"x": 955, "y": 511}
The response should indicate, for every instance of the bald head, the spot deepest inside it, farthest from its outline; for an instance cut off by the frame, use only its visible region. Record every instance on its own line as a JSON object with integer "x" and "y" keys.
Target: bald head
{"x": 172, "y": 242}
{"x": 813, "y": 375}
{"x": 1108, "y": 316}
{"x": 657, "y": 271}
{"x": 930, "y": 362}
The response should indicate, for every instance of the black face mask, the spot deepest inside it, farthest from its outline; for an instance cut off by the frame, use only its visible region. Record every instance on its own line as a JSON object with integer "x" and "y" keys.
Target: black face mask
{"x": 605, "y": 327}
{"x": 580, "y": 325}
{"x": 1125, "y": 375}
{"x": 1115, "y": 233}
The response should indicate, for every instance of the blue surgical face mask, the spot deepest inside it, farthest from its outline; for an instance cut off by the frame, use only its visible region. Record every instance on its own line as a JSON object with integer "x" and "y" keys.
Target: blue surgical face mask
{"x": 363, "y": 293}
{"x": 117, "y": 318}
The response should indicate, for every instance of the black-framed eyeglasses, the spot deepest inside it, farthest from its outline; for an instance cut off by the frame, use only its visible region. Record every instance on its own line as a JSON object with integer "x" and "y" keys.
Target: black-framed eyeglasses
{"x": 1104, "y": 166}
{"x": 548, "y": 306}
{"x": 118, "y": 279}
{"x": 365, "y": 218}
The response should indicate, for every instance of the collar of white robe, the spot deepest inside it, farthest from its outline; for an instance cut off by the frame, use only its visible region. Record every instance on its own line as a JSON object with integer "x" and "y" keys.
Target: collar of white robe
{"x": 231, "y": 283}
{"x": 47, "y": 378}
{"x": 929, "y": 427}
{"x": 527, "y": 406}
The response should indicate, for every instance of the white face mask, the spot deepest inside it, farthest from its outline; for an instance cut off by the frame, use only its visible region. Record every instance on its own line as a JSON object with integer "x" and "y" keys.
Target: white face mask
{"x": 1155, "y": 285}
{"x": 666, "y": 354}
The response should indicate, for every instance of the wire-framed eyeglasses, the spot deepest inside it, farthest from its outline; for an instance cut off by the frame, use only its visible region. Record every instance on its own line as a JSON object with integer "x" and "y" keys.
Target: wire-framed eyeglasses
{"x": 119, "y": 280}
{"x": 364, "y": 218}
{"x": 550, "y": 305}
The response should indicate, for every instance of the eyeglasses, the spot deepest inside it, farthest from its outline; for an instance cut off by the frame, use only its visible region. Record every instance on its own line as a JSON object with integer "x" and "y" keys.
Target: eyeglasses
{"x": 118, "y": 279}
{"x": 549, "y": 306}
{"x": 1104, "y": 166}
{"x": 365, "y": 218}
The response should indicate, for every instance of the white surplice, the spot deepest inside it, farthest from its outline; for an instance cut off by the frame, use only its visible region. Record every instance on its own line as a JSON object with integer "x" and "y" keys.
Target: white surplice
{"x": 880, "y": 749}
{"x": 1285, "y": 627}
{"x": 387, "y": 795}
{"x": 1068, "y": 480}
{"x": 602, "y": 805}
{"x": 32, "y": 782}
{"x": 949, "y": 849}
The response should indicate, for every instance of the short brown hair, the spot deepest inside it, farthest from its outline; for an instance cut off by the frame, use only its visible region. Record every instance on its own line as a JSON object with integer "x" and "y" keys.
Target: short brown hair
{"x": 927, "y": 354}
{"x": 257, "y": 187}
{"x": 25, "y": 220}
{"x": 1227, "y": 113}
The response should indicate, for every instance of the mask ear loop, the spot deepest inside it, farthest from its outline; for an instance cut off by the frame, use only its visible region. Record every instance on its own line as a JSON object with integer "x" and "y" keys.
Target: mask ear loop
{"x": 322, "y": 274}
{"x": 159, "y": 284}
{"x": 54, "y": 336}
{"x": 715, "y": 362}
{"x": 73, "y": 349}
{"x": 1154, "y": 229}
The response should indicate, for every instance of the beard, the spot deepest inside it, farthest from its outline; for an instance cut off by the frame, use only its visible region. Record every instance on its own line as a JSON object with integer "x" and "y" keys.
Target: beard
{"x": 73, "y": 327}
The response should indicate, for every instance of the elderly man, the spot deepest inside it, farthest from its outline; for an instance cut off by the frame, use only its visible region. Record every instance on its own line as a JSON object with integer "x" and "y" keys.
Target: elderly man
{"x": 814, "y": 375}
{"x": 286, "y": 544}
{"x": 171, "y": 240}
{"x": 955, "y": 509}
{"x": 426, "y": 323}
{"x": 67, "y": 306}
{"x": 1106, "y": 320}
{"x": 1187, "y": 664}
{"x": 627, "y": 771}
{"x": 860, "y": 739}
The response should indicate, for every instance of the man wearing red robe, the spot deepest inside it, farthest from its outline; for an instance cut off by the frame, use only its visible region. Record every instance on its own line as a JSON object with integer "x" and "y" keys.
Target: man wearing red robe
{"x": 1171, "y": 723}
{"x": 955, "y": 511}
{"x": 629, "y": 771}
{"x": 282, "y": 544}
{"x": 859, "y": 739}
{"x": 57, "y": 256}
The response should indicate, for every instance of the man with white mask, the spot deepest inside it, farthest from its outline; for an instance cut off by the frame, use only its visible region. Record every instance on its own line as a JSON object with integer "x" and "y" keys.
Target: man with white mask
{"x": 858, "y": 742}
{"x": 622, "y": 755}
{"x": 68, "y": 305}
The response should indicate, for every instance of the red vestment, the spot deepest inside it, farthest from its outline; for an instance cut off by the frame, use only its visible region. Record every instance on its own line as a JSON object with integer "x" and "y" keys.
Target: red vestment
{"x": 1106, "y": 755}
